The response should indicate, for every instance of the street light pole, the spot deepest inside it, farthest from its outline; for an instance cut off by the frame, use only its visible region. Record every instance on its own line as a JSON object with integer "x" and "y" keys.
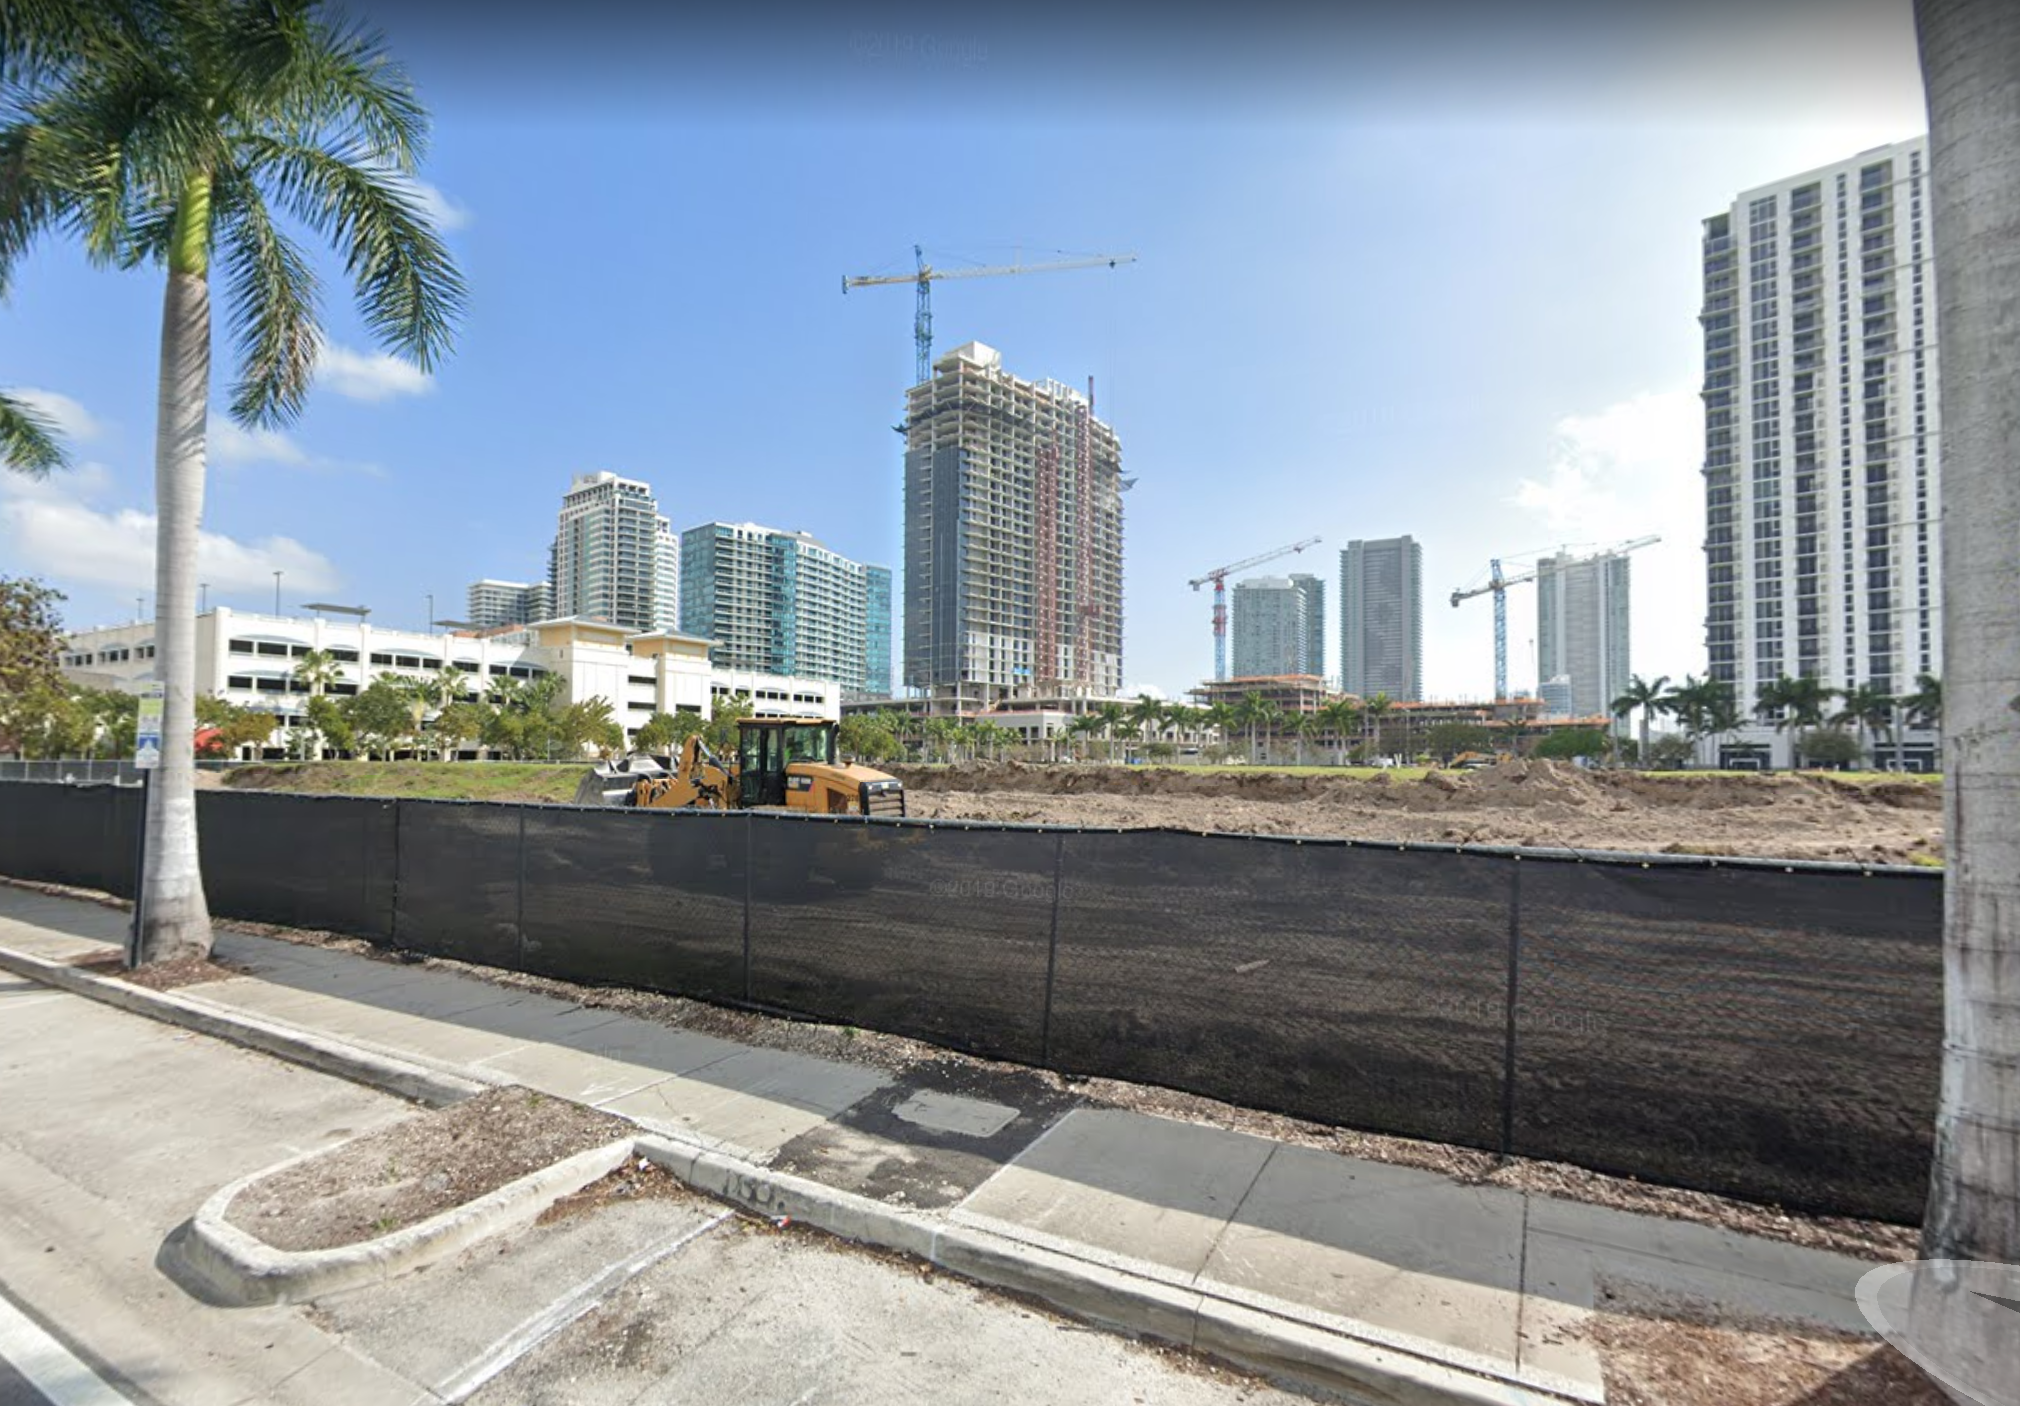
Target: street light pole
{"x": 202, "y": 597}
{"x": 277, "y": 593}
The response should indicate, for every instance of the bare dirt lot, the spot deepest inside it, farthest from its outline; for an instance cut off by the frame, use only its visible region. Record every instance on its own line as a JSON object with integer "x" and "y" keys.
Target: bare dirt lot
{"x": 1550, "y": 804}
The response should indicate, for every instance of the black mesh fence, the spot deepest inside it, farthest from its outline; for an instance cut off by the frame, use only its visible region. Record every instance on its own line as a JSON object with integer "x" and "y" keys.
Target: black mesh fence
{"x": 1752, "y": 1029}
{"x": 1347, "y": 984}
{"x": 1772, "y": 1034}
{"x": 80, "y": 835}
{"x": 302, "y": 861}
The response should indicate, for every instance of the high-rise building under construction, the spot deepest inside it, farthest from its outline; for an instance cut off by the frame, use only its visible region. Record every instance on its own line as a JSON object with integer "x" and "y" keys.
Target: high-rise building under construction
{"x": 1013, "y": 537}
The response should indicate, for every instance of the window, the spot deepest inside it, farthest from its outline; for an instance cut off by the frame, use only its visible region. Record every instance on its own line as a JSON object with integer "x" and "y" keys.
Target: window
{"x": 241, "y": 646}
{"x": 385, "y": 659}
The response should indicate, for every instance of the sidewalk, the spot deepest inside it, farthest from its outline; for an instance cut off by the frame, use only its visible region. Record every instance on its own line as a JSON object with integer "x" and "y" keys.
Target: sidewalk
{"x": 1487, "y": 1282}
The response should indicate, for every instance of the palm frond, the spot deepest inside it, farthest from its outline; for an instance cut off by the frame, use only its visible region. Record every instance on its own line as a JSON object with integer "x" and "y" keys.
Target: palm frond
{"x": 325, "y": 83}
{"x": 28, "y": 442}
{"x": 28, "y": 204}
{"x": 272, "y": 294}
{"x": 409, "y": 291}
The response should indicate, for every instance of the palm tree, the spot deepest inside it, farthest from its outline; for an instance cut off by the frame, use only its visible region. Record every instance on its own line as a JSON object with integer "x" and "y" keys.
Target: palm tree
{"x": 318, "y": 669}
{"x": 1310, "y": 727}
{"x": 1970, "y": 53}
{"x": 1645, "y": 695}
{"x": 1112, "y": 715}
{"x": 1086, "y": 725}
{"x": 1268, "y": 717}
{"x": 1867, "y": 706}
{"x": 169, "y": 132}
{"x": 1223, "y": 717}
{"x": 1146, "y": 714}
{"x": 1925, "y": 704}
{"x": 1372, "y": 713}
{"x": 28, "y": 441}
{"x": 1794, "y": 703}
{"x": 1341, "y": 716}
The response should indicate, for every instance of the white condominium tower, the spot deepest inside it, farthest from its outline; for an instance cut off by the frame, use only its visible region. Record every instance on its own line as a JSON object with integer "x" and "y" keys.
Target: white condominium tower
{"x": 1820, "y": 393}
{"x": 1013, "y": 537}
{"x": 615, "y": 557}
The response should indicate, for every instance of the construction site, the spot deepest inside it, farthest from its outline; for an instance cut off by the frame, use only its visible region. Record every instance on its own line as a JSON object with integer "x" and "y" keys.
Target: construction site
{"x": 1551, "y": 805}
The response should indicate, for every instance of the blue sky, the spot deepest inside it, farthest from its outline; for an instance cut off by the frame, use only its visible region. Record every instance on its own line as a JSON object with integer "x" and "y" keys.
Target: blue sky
{"x": 1438, "y": 281}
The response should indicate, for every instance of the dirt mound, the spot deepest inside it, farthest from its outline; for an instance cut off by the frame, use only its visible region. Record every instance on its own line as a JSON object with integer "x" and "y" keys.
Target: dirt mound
{"x": 1526, "y": 802}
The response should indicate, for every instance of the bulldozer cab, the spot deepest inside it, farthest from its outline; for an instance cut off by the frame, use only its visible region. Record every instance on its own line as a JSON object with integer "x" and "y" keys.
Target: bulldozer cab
{"x": 766, "y": 747}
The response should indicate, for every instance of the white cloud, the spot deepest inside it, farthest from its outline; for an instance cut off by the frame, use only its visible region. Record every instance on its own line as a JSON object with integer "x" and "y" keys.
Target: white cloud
{"x": 369, "y": 375}
{"x": 72, "y": 419}
{"x": 1631, "y": 470}
{"x": 51, "y": 528}
{"x": 1136, "y": 690}
{"x": 231, "y": 445}
{"x": 446, "y": 213}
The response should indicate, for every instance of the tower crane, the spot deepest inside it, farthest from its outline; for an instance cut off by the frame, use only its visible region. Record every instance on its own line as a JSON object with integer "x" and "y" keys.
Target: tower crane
{"x": 925, "y": 276}
{"x": 1219, "y": 577}
{"x": 1499, "y": 584}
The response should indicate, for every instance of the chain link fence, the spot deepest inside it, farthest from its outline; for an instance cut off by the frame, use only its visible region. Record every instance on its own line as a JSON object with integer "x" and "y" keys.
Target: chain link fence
{"x": 1756, "y": 1029}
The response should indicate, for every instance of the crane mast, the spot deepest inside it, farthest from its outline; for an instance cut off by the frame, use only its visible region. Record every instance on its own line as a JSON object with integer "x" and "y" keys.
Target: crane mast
{"x": 1498, "y": 584}
{"x": 1219, "y": 577}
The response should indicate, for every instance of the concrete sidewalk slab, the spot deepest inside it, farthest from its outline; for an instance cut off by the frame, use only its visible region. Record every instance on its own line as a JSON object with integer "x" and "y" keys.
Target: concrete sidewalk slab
{"x": 755, "y": 1101}
{"x": 1355, "y": 1239}
{"x": 1126, "y": 1183}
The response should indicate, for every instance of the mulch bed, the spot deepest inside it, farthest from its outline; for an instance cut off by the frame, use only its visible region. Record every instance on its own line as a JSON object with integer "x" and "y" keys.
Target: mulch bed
{"x": 397, "y": 1177}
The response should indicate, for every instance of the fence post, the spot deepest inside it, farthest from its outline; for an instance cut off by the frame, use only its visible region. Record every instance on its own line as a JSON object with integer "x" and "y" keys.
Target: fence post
{"x": 393, "y": 923}
{"x": 519, "y": 897}
{"x": 749, "y": 822}
{"x": 1513, "y": 989}
{"x": 1052, "y": 950}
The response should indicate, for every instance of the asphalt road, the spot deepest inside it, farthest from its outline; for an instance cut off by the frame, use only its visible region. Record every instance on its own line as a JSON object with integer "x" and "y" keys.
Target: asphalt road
{"x": 114, "y": 1129}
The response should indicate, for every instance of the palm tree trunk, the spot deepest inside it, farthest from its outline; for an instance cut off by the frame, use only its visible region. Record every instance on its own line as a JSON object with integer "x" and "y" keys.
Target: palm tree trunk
{"x": 175, "y": 919}
{"x": 1970, "y": 52}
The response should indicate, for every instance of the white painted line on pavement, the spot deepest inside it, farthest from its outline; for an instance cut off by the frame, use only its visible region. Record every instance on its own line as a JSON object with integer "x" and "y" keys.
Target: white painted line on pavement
{"x": 565, "y": 1310}
{"x": 47, "y": 1364}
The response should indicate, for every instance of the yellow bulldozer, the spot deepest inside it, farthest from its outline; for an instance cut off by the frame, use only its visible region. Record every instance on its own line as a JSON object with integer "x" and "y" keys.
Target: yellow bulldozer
{"x": 780, "y": 762}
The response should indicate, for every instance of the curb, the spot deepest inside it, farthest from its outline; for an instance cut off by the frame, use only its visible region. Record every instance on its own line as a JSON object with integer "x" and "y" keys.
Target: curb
{"x": 401, "y": 1076}
{"x": 242, "y": 1270}
{"x": 1280, "y": 1339}
{"x": 1285, "y": 1341}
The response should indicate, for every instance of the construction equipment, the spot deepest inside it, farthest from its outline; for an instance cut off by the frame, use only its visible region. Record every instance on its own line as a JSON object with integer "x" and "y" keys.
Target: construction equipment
{"x": 925, "y": 276}
{"x": 1219, "y": 577}
{"x": 780, "y": 762}
{"x": 1499, "y": 584}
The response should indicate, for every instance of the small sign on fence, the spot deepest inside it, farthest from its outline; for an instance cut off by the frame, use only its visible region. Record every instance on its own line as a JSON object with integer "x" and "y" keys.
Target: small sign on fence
{"x": 147, "y": 732}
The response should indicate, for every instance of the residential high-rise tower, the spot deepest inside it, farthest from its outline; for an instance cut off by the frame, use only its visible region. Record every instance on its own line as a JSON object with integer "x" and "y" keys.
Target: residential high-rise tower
{"x": 1382, "y": 618}
{"x": 614, "y": 556}
{"x": 1822, "y": 498}
{"x": 782, "y": 603}
{"x": 1582, "y": 631}
{"x": 1279, "y": 626}
{"x": 497, "y": 603}
{"x": 1013, "y": 537}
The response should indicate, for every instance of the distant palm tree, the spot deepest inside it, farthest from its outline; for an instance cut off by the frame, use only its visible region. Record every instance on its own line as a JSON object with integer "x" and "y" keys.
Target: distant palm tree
{"x": 1113, "y": 716}
{"x": 318, "y": 669}
{"x": 1868, "y": 706}
{"x": 1646, "y": 696}
{"x": 1086, "y": 725}
{"x": 1223, "y": 717}
{"x": 1925, "y": 704}
{"x": 167, "y": 133}
{"x": 1372, "y": 713}
{"x": 1795, "y": 703}
{"x": 1146, "y": 716}
{"x": 1310, "y": 727}
{"x": 1341, "y": 716}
